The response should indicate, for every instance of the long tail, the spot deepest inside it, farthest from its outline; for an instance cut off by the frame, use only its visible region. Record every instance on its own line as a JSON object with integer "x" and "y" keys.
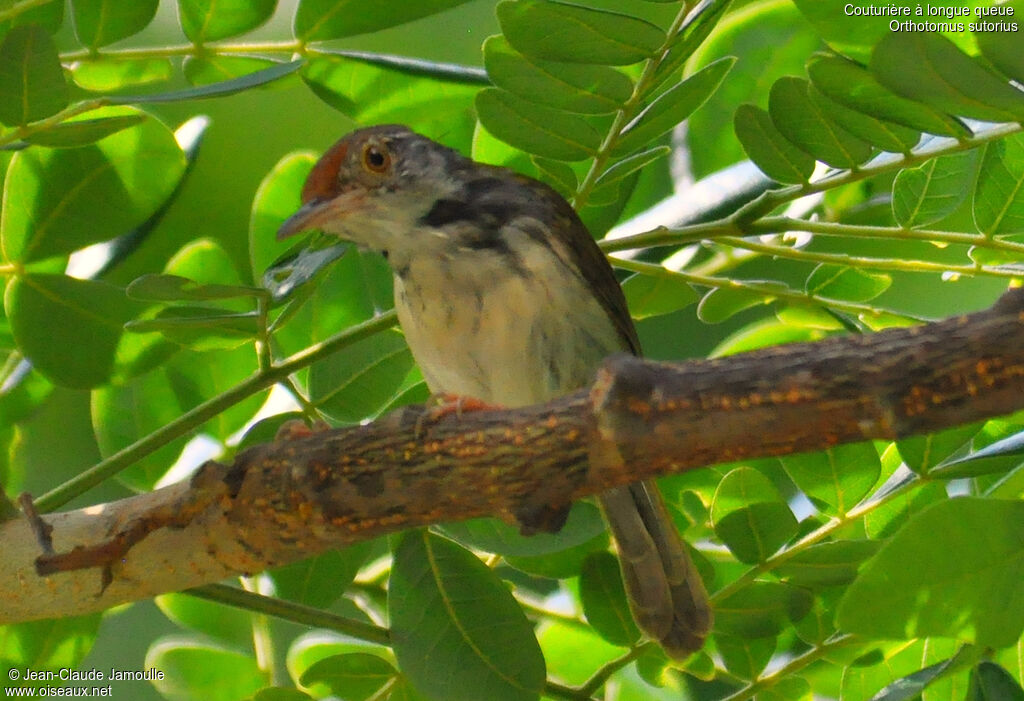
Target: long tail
{"x": 665, "y": 590}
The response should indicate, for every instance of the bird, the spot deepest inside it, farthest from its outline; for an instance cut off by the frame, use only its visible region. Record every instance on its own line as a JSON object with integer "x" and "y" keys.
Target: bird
{"x": 505, "y": 298}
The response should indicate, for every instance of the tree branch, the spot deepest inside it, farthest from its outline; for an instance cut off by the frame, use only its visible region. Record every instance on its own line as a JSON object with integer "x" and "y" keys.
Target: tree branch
{"x": 290, "y": 499}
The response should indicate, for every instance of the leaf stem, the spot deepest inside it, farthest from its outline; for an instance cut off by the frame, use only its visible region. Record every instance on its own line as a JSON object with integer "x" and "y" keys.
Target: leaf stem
{"x": 628, "y": 109}
{"x": 291, "y": 611}
{"x": 794, "y": 666}
{"x": 816, "y": 536}
{"x": 768, "y": 291}
{"x": 202, "y": 413}
{"x": 882, "y": 164}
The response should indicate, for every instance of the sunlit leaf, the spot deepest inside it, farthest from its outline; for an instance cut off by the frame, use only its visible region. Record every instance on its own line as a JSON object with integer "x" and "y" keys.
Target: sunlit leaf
{"x": 933, "y": 190}
{"x": 31, "y": 80}
{"x": 58, "y": 201}
{"x": 835, "y": 479}
{"x": 847, "y": 283}
{"x": 211, "y": 20}
{"x": 352, "y": 677}
{"x": 85, "y": 320}
{"x": 953, "y": 570}
{"x": 216, "y": 68}
{"x": 195, "y": 668}
{"x": 927, "y": 67}
{"x": 999, "y": 192}
{"x": 102, "y": 22}
{"x": 110, "y": 75}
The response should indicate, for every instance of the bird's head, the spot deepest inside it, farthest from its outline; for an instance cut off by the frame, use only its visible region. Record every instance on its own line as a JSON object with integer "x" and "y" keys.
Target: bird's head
{"x": 375, "y": 185}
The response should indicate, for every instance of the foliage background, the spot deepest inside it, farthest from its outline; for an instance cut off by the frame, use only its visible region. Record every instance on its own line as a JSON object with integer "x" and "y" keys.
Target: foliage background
{"x": 54, "y": 432}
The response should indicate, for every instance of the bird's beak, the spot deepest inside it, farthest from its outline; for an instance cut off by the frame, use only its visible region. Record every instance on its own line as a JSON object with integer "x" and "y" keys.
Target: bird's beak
{"x": 310, "y": 216}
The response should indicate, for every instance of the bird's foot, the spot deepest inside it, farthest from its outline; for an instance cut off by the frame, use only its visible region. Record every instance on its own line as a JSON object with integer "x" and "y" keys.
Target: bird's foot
{"x": 294, "y": 429}
{"x": 445, "y": 404}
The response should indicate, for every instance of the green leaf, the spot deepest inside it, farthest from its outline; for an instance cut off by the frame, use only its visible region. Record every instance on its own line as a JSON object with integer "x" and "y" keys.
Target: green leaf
{"x": 769, "y": 149}
{"x": 320, "y": 581}
{"x": 966, "y": 466}
{"x": 280, "y": 693}
{"x": 604, "y": 599}
{"x": 801, "y": 120}
{"x": 922, "y": 453}
{"x": 559, "y": 31}
{"x": 770, "y": 40}
{"x": 456, "y": 629}
{"x": 750, "y": 516}
{"x": 786, "y": 689}
{"x": 929, "y": 68}
{"x": 722, "y": 303}
{"x": 226, "y": 87}
{"x": 846, "y": 283}
{"x": 277, "y": 198}
{"x": 761, "y": 610}
{"x": 953, "y": 570}
{"x": 835, "y": 479}
{"x": 217, "y": 68}
{"x": 745, "y": 657}
{"x": 557, "y": 174}
{"x": 102, "y": 22}
{"x": 827, "y": 564}
{"x": 58, "y": 643}
{"x": 195, "y": 669}
{"x": 911, "y": 686}
{"x": 212, "y": 20}
{"x": 226, "y": 623}
{"x": 654, "y": 295}
{"x": 572, "y": 87}
{"x": 673, "y": 106}
{"x": 31, "y": 80}
{"x": 57, "y": 201}
{"x": 352, "y": 677}
{"x": 999, "y": 192}
{"x": 990, "y": 682}
{"x": 1000, "y": 47}
{"x": 491, "y": 535}
{"x": 80, "y": 132}
{"x": 202, "y": 328}
{"x": 852, "y": 85}
{"x": 562, "y": 564}
{"x": 933, "y": 190}
{"x": 358, "y": 381}
{"x": 84, "y": 320}
{"x": 884, "y": 135}
{"x": 107, "y": 75}
{"x": 162, "y": 287}
{"x": 48, "y": 15}
{"x": 536, "y": 129}
{"x": 372, "y": 93}
{"x": 319, "y": 20}
{"x": 630, "y": 164}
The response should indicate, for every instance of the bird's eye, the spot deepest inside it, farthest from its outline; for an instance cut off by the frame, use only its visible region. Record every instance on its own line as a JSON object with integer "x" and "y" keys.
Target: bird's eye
{"x": 376, "y": 159}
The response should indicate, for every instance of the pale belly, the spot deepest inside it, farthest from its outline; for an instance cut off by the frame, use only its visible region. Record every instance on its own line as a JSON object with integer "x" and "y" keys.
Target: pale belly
{"x": 513, "y": 343}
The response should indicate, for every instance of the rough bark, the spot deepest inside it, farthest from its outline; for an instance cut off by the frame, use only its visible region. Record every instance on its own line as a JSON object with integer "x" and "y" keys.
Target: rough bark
{"x": 294, "y": 498}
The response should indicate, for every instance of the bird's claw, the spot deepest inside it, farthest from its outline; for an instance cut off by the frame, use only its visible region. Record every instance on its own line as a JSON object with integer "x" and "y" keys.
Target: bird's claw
{"x": 444, "y": 404}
